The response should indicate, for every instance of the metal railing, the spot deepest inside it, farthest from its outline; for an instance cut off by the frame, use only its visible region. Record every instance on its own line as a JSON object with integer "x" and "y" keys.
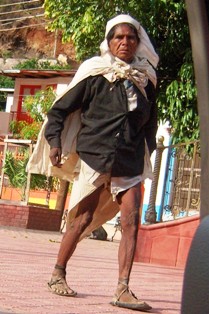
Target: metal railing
{"x": 181, "y": 187}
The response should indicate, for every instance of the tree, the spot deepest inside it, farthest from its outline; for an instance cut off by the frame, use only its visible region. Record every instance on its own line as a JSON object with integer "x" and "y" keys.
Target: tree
{"x": 84, "y": 22}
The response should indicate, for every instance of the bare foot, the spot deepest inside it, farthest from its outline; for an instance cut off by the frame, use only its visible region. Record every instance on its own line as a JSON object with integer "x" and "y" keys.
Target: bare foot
{"x": 58, "y": 285}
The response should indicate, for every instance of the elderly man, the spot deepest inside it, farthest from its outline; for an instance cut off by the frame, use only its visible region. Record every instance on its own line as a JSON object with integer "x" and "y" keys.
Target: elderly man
{"x": 112, "y": 96}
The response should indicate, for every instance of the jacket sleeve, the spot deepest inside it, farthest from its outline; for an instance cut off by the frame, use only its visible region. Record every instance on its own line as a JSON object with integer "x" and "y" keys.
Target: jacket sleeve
{"x": 151, "y": 126}
{"x": 70, "y": 102}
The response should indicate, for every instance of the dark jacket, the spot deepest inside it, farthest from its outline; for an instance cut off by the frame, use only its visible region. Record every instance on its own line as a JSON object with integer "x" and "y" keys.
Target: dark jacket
{"x": 111, "y": 139}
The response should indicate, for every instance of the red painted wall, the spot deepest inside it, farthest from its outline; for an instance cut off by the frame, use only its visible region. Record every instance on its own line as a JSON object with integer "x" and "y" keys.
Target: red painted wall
{"x": 30, "y": 217}
{"x": 166, "y": 243}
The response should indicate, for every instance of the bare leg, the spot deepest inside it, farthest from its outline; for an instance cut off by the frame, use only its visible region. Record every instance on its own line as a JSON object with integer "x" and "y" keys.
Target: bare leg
{"x": 70, "y": 240}
{"x": 129, "y": 203}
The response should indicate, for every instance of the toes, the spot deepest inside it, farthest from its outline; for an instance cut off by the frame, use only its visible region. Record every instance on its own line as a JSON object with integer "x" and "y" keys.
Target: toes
{"x": 60, "y": 287}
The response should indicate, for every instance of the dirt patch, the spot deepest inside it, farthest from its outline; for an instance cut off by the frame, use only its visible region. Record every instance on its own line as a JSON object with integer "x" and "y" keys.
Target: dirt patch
{"x": 34, "y": 43}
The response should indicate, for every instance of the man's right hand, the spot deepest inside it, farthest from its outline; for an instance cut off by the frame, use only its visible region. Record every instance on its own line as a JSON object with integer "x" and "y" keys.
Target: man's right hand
{"x": 55, "y": 156}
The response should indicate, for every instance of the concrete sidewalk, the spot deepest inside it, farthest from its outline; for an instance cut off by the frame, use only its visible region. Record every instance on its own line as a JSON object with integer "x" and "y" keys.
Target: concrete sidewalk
{"x": 28, "y": 257}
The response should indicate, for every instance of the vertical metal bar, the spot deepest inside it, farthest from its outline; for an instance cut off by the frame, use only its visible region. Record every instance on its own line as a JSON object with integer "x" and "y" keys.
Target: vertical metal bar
{"x": 150, "y": 214}
{"x": 48, "y": 189}
{"x": 2, "y": 170}
{"x": 191, "y": 176}
{"x": 27, "y": 190}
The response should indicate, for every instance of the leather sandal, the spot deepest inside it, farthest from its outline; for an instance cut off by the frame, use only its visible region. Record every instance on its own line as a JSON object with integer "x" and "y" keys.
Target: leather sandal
{"x": 133, "y": 304}
{"x": 59, "y": 287}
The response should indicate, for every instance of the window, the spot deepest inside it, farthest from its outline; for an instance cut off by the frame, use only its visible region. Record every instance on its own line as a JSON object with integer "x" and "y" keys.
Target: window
{"x": 25, "y": 90}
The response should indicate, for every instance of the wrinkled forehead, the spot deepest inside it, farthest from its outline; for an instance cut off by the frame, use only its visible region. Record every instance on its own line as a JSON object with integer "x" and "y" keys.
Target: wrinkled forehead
{"x": 121, "y": 19}
{"x": 119, "y": 28}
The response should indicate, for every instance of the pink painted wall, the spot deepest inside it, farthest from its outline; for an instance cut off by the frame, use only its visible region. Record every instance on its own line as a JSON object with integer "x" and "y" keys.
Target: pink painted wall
{"x": 166, "y": 243}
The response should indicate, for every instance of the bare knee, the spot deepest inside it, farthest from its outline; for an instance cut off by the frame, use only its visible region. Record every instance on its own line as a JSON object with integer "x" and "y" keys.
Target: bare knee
{"x": 80, "y": 223}
{"x": 85, "y": 221}
{"x": 130, "y": 222}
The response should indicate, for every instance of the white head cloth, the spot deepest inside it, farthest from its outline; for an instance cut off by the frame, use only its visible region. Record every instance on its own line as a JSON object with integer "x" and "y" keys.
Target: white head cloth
{"x": 145, "y": 49}
{"x": 113, "y": 68}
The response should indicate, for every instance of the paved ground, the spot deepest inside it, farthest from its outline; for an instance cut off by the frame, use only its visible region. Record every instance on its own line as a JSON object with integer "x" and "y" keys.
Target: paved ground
{"x": 27, "y": 259}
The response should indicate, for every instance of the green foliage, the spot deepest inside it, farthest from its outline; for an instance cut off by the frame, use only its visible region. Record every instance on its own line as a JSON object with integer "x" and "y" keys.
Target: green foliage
{"x": 39, "y": 104}
{"x": 15, "y": 169}
{"x": 5, "y": 82}
{"x": 81, "y": 21}
{"x": 3, "y": 96}
{"x": 37, "y": 107}
{"x": 25, "y": 130}
{"x": 84, "y": 22}
{"x": 30, "y": 131}
{"x": 16, "y": 127}
{"x": 180, "y": 99}
{"x": 28, "y": 64}
{"x": 36, "y": 64}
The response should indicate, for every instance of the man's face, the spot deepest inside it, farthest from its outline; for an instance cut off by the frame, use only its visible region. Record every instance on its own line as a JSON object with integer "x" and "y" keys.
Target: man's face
{"x": 124, "y": 43}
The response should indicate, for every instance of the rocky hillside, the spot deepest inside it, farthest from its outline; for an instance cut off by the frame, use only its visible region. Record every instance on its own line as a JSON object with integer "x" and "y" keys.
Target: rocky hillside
{"x": 23, "y": 35}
